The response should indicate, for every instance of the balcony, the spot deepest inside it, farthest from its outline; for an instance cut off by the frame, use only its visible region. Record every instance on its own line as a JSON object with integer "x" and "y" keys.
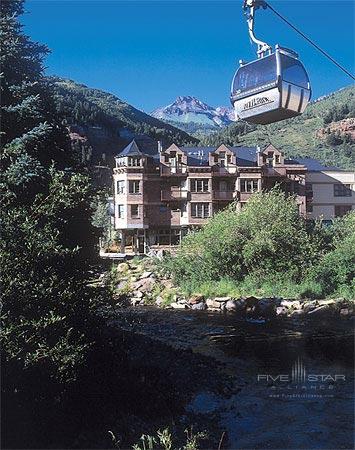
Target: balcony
{"x": 173, "y": 195}
{"x": 223, "y": 195}
{"x": 180, "y": 170}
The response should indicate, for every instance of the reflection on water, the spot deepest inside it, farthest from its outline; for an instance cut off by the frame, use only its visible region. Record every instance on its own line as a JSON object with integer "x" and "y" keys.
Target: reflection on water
{"x": 268, "y": 408}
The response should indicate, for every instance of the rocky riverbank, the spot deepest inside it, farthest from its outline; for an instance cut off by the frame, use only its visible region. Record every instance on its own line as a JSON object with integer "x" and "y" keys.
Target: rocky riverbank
{"x": 140, "y": 283}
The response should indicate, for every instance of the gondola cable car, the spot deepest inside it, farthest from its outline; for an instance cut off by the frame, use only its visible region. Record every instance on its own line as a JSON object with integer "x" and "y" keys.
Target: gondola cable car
{"x": 275, "y": 86}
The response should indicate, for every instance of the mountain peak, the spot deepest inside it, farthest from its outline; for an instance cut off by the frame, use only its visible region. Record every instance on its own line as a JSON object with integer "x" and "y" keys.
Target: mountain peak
{"x": 187, "y": 109}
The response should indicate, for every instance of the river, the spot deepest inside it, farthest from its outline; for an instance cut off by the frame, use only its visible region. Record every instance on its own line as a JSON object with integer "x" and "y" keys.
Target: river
{"x": 282, "y": 384}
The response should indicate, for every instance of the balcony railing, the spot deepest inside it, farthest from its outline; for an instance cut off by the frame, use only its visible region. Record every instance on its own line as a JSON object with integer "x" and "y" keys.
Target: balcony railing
{"x": 223, "y": 195}
{"x": 173, "y": 194}
{"x": 176, "y": 170}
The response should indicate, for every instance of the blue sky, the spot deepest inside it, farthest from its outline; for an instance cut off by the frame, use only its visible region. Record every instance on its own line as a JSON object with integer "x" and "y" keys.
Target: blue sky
{"x": 149, "y": 52}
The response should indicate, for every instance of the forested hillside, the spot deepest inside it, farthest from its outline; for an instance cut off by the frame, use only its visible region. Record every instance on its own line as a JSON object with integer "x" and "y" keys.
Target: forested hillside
{"x": 326, "y": 131}
{"x": 101, "y": 124}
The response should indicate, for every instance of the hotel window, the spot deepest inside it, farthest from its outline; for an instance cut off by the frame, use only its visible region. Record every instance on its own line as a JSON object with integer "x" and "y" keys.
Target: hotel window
{"x": 199, "y": 185}
{"x": 222, "y": 159}
{"x": 120, "y": 187}
{"x": 120, "y": 211}
{"x": 342, "y": 190}
{"x": 200, "y": 210}
{"x": 134, "y": 161}
{"x": 134, "y": 210}
{"x": 341, "y": 210}
{"x": 277, "y": 159}
{"x": 249, "y": 186}
{"x": 134, "y": 187}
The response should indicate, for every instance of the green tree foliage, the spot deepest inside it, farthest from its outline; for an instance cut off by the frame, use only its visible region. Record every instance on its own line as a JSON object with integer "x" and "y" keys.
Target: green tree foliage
{"x": 81, "y": 105}
{"x": 47, "y": 239}
{"x": 335, "y": 271}
{"x": 301, "y": 136}
{"x": 267, "y": 241}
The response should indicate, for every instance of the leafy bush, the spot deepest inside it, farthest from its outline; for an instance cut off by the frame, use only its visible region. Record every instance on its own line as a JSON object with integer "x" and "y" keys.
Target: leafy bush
{"x": 266, "y": 249}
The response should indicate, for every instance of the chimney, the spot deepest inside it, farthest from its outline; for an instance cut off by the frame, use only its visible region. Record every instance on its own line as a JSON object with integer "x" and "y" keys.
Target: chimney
{"x": 160, "y": 147}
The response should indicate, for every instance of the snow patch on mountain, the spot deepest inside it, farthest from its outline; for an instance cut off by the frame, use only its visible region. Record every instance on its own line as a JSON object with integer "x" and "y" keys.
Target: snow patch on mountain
{"x": 189, "y": 109}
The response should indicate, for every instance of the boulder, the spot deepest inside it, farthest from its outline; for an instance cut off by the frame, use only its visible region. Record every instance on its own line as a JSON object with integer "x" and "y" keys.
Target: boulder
{"x": 231, "y": 305}
{"x": 175, "y": 305}
{"x": 266, "y": 307}
{"x": 281, "y": 311}
{"x": 121, "y": 285}
{"x": 182, "y": 301}
{"x": 146, "y": 274}
{"x": 251, "y": 301}
{"x": 212, "y": 304}
{"x": 122, "y": 267}
{"x": 135, "y": 301}
{"x": 138, "y": 294}
{"x": 199, "y": 306}
{"x": 222, "y": 299}
{"x": 330, "y": 301}
{"x": 319, "y": 311}
{"x": 144, "y": 285}
{"x": 197, "y": 298}
{"x": 293, "y": 304}
{"x": 159, "y": 301}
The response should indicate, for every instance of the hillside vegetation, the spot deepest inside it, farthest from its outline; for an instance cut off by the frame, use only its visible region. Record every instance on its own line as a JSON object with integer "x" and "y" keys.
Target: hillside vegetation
{"x": 103, "y": 124}
{"x": 326, "y": 131}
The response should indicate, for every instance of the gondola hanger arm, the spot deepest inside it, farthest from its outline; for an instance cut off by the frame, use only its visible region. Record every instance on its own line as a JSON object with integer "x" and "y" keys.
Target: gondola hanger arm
{"x": 250, "y": 6}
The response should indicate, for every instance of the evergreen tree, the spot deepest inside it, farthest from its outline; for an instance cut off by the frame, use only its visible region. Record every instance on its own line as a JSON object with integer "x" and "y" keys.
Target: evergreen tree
{"x": 47, "y": 240}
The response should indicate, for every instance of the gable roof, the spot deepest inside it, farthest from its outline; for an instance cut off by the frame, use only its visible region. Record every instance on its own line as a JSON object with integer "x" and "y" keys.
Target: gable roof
{"x": 131, "y": 150}
{"x": 199, "y": 156}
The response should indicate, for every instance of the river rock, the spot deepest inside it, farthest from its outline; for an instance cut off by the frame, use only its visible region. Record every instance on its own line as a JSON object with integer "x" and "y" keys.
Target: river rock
{"x": 176, "y": 305}
{"x": 212, "y": 304}
{"x": 121, "y": 285}
{"x": 135, "y": 301}
{"x": 197, "y": 298}
{"x": 345, "y": 312}
{"x": 138, "y": 294}
{"x": 231, "y": 305}
{"x": 330, "y": 301}
{"x": 199, "y": 306}
{"x": 251, "y": 301}
{"x": 266, "y": 307}
{"x": 281, "y": 311}
{"x": 122, "y": 267}
{"x": 319, "y": 311}
{"x": 145, "y": 284}
{"x": 146, "y": 274}
{"x": 222, "y": 299}
{"x": 159, "y": 301}
{"x": 293, "y": 304}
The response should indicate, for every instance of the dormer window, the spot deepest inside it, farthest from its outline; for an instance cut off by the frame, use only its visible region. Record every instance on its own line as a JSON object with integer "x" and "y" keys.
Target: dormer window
{"x": 222, "y": 159}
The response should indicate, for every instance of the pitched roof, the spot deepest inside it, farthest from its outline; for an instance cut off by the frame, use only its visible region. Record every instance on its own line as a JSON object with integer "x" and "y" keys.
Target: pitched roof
{"x": 313, "y": 165}
{"x": 131, "y": 150}
{"x": 198, "y": 156}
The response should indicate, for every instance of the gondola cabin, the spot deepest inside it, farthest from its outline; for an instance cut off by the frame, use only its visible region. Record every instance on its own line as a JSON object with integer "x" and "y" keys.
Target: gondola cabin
{"x": 272, "y": 88}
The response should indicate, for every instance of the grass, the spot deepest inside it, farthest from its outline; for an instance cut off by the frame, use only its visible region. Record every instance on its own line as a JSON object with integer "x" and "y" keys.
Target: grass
{"x": 272, "y": 288}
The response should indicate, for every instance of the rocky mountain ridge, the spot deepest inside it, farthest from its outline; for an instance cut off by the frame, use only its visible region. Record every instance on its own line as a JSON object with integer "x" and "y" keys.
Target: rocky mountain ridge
{"x": 187, "y": 111}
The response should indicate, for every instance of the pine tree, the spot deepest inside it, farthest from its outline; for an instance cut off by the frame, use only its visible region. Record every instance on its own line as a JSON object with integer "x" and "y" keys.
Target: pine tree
{"x": 47, "y": 239}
